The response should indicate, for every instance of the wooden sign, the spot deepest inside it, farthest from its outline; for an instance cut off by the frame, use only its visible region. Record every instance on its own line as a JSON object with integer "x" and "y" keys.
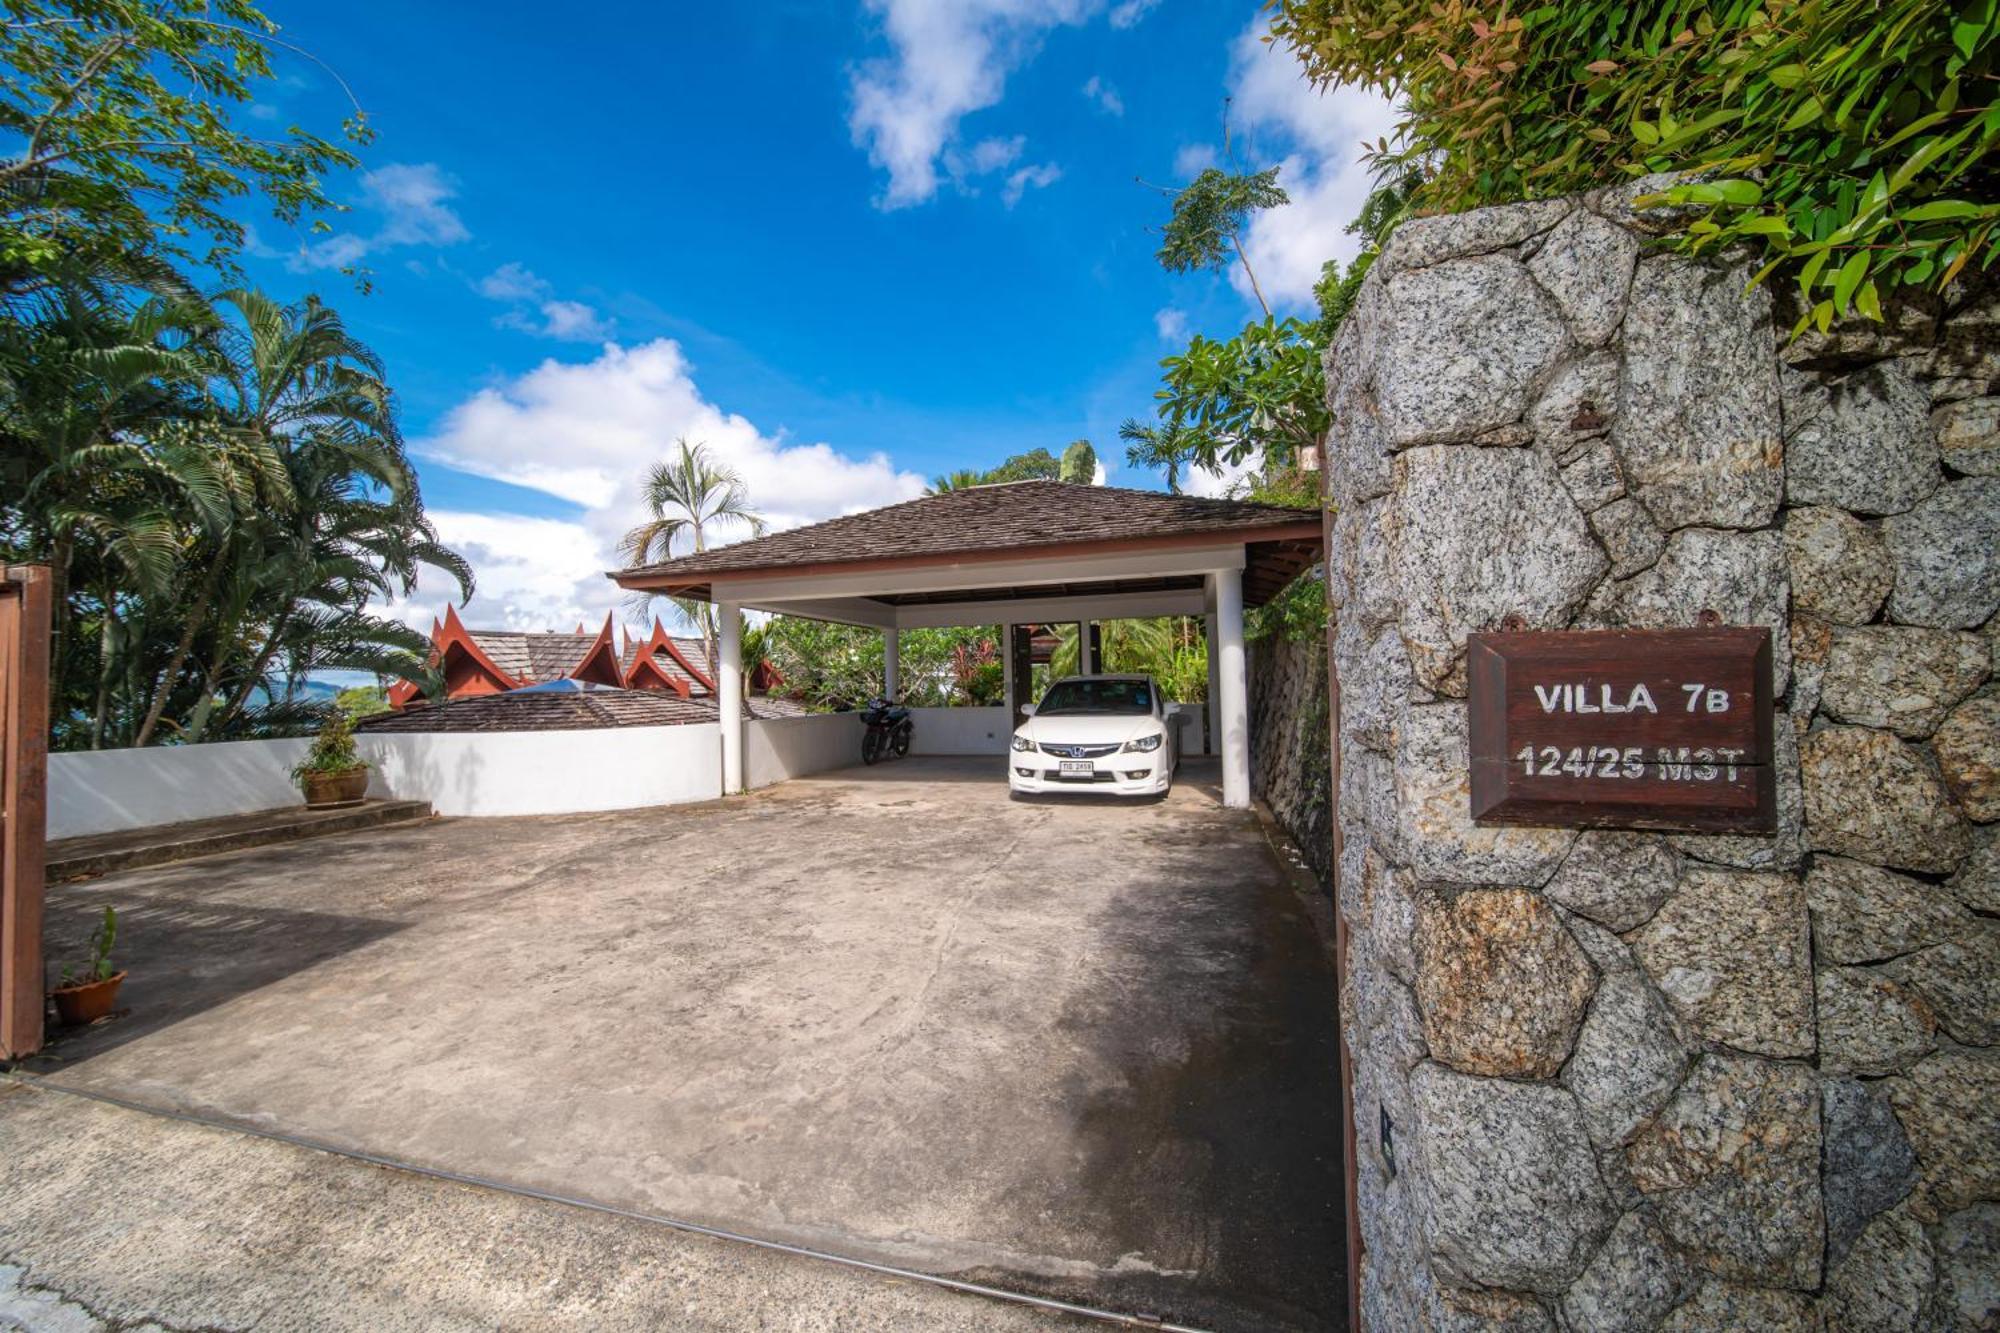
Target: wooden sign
{"x": 1655, "y": 729}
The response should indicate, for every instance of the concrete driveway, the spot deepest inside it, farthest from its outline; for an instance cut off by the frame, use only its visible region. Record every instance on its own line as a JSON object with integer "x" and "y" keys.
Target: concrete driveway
{"x": 1077, "y": 1048}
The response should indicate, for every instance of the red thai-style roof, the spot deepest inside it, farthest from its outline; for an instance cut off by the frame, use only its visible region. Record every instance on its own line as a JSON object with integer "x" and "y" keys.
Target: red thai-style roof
{"x": 489, "y": 661}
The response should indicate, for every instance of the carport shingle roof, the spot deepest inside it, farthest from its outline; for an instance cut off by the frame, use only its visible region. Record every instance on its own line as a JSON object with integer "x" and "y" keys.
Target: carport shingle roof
{"x": 985, "y": 518}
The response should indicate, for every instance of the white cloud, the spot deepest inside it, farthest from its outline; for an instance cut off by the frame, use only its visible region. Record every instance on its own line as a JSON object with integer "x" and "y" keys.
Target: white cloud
{"x": 413, "y": 200}
{"x": 1193, "y": 159}
{"x": 1036, "y": 177}
{"x": 1104, "y": 95}
{"x": 1172, "y": 324}
{"x": 1322, "y": 169}
{"x": 536, "y": 309}
{"x": 989, "y": 155}
{"x": 573, "y": 321}
{"x": 1127, "y": 13}
{"x": 950, "y": 58}
{"x": 585, "y": 432}
{"x": 1200, "y": 481}
{"x": 532, "y": 574}
{"x": 512, "y": 282}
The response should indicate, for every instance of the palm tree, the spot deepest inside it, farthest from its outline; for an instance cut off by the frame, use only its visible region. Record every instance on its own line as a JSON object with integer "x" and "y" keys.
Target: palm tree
{"x": 1167, "y": 447}
{"x": 964, "y": 478}
{"x": 82, "y": 376}
{"x": 347, "y": 527}
{"x": 690, "y": 496}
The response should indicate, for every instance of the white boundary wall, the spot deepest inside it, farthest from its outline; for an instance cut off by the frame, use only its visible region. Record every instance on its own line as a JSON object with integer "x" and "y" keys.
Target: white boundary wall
{"x": 492, "y": 773}
{"x": 102, "y": 791}
{"x": 547, "y": 772}
{"x": 472, "y": 773}
{"x": 780, "y": 748}
{"x": 943, "y": 731}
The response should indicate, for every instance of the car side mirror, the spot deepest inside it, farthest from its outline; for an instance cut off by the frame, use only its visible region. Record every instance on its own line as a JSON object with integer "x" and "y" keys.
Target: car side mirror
{"x": 1027, "y": 710}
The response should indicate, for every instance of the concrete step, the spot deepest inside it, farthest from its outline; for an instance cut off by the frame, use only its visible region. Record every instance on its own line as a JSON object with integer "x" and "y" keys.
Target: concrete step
{"x": 127, "y": 849}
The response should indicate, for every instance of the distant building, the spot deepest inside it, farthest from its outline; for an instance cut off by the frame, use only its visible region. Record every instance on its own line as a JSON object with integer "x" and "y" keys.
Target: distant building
{"x": 494, "y": 661}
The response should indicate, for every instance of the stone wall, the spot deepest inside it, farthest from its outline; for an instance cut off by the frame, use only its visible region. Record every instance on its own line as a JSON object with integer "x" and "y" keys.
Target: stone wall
{"x": 1614, "y": 1080}
{"x": 1290, "y": 743}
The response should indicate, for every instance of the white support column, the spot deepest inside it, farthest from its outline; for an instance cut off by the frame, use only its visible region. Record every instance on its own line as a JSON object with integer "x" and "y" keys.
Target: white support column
{"x": 1234, "y": 692}
{"x": 1212, "y": 710}
{"x": 729, "y": 694}
{"x": 892, "y": 663}
{"x": 1007, "y": 671}
{"x": 1086, "y": 660}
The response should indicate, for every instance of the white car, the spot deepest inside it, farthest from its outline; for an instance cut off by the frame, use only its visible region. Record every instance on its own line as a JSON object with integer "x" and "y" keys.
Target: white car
{"x": 1106, "y": 734}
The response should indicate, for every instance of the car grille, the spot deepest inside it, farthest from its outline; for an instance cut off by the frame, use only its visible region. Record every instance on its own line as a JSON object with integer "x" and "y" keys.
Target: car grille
{"x": 1057, "y": 775}
{"x": 1079, "y": 751}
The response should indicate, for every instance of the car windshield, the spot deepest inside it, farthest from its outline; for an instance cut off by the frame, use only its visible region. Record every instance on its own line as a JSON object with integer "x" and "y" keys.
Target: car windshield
{"x": 1070, "y": 697}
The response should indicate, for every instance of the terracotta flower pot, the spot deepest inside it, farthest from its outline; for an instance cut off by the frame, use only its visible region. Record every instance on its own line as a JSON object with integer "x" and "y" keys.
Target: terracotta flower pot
{"x": 86, "y": 1002}
{"x": 333, "y": 789}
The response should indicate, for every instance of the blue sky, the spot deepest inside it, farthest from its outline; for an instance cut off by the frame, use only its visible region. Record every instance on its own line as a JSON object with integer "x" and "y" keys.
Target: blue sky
{"x": 849, "y": 244}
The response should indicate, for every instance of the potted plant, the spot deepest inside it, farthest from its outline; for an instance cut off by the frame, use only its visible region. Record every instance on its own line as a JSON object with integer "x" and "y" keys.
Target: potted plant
{"x": 332, "y": 774}
{"x": 89, "y": 997}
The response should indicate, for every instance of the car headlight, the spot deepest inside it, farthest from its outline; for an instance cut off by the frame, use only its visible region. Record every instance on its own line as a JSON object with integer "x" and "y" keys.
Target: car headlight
{"x": 1144, "y": 744}
{"x": 1022, "y": 744}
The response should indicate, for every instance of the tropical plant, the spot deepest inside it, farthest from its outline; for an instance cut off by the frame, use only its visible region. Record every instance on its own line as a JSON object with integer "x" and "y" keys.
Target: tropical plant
{"x": 1035, "y": 465}
{"x": 117, "y": 112}
{"x": 221, "y": 492}
{"x": 692, "y": 499}
{"x": 1210, "y": 212}
{"x": 1173, "y": 650}
{"x": 1260, "y": 395}
{"x": 1850, "y": 141}
{"x": 332, "y": 749}
{"x": 359, "y": 701}
{"x": 1079, "y": 463}
{"x": 1166, "y": 448}
{"x": 963, "y": 479}
{"x": 103, "y": 938}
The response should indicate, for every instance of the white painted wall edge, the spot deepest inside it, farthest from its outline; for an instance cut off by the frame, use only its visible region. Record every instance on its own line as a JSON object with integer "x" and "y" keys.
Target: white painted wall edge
{"x": 548, "y": 772}
{"x": 491, "y": 773}
{"x": 105, "y": 791}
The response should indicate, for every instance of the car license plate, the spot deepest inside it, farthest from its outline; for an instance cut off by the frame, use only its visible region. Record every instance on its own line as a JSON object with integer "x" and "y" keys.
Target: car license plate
{"x": 1078, "y": 768}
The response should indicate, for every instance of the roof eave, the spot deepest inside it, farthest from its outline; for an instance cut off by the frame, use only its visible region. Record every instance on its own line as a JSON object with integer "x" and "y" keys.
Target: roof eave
{"x": 661, "y": 578}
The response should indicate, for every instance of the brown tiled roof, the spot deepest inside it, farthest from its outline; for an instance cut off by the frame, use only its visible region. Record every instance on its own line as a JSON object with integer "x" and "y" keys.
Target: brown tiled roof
{"x": 986, "y": 518}
{"x": 694, "y": 650}
{"x": 566, "y": 710}
{"x": 533, "y": 657}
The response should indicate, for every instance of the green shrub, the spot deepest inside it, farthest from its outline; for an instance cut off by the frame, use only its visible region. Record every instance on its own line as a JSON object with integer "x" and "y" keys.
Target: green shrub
{"x": 332, "y": 750}
{"x": 1850, "y": 141}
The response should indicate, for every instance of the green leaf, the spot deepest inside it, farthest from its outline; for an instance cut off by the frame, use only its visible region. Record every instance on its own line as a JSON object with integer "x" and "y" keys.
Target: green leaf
{"x": 1848, "y": 278}
{"x": 1764, "y": 225}
{"x": 1940, "y": 209}
{"x": 1965, "y": 35}
{"x": 1868, "y": 302}
{"x": 1740, "y": 192}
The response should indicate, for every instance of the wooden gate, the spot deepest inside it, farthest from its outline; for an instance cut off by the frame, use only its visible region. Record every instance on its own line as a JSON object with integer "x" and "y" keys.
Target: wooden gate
{"x": 24, "y": 786}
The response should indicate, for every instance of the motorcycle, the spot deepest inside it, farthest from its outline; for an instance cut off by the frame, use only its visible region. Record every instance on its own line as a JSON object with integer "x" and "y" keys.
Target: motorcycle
{"x": 889, "y": 729}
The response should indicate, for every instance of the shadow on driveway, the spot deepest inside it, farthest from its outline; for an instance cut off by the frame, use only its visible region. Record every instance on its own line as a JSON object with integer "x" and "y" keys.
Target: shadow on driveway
{"x": 1072, "y": 1048}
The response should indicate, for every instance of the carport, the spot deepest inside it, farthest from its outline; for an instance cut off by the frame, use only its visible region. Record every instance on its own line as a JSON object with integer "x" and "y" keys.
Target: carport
{"x": 1016, "y": 555}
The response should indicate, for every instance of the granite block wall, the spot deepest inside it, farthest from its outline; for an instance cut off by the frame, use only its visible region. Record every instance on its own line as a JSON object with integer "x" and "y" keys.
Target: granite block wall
{"x": 1620, "y": 1080}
